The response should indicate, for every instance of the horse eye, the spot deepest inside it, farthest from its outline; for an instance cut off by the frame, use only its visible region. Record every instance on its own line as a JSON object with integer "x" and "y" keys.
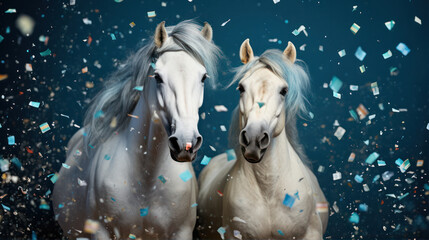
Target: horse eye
{"x": 158, "y": 78}
{"x": 241, "y": 88}
{"x": 204, "y": 77}
{"x": 283, "y": 91}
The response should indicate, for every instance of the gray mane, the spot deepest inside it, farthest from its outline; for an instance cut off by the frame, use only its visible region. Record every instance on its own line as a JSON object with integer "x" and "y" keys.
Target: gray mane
{"x": 118, "y": 97}
{"x": 296, "y": 102}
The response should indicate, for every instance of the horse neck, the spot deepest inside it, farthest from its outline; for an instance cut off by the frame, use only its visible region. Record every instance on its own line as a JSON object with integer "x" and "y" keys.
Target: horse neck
{"x": 280, "y": 162}
{"x": 144, "y": 137}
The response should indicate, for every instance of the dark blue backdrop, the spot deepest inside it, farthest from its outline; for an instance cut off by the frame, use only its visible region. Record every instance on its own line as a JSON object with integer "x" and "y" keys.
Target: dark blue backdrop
{"x": 58, "y": 83}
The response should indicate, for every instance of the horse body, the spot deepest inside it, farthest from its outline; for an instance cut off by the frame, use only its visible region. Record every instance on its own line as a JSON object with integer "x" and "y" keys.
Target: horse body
{"x": 130, "y": 183}
{"x": 270, "y": 167}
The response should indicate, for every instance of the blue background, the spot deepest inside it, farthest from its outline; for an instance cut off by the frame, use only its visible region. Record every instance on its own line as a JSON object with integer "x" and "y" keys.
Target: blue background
{"x": 58, "y": 83}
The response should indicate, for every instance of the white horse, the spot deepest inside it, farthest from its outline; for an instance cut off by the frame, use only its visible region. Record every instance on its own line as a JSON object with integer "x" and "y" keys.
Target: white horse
{"x": 128, "y": 173}
{"x": 268, "y": 192}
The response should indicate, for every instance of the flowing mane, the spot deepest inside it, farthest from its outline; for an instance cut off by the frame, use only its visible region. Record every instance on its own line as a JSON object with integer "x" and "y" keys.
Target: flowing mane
{"x": 296, "y": 101}
{"x": 118, "y": 97}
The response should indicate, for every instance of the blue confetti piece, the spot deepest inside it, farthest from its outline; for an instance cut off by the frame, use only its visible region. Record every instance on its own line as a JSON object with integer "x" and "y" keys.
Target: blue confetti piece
{"x": 107, "y": 157}
{"x": 297, "y": 195}
{"x": 66, "y": 166}
{"x": 90, "y": 146}
{"x": 376, "y": 178}
{"x": 186, "y": 175}
{"x": 151, "y": 14}
{"x": 399, "y": 161}
{"x": 7, "y": 30}
{"x": 363, "y": 207}
{"x": 289, "y": 201}
{"x": 230, "y": 154}
{"x": 403, "y": 49}
{"x": 11, "y": 140}
{"x": 205, "y": 160}
{"x": 153, "y": 65}
{"x": 354, "y": 218}
{"x": 54, "y": 178}
{"x": 113, "y": 36}
{"x": 113, "y": 199}
{"x": 221, "y": 231}
{"x": 34, "y": 104}
{"x": 194, "y": 205}
{"x": 60, "y": 205}
{"x": 358, "y": 178}
{"x": 144, "y": 211}
{"x": 10, "y": 10}
{"x": 335, "y": 84}
{"x": 372, "y": 157}
{"x": 280, "y": 232}
{"x": 44, "y": 206}
{"x": 16, "y": 162}
{"x": 98, "y": 114}
{"x": 381, "y": 163}
{"x": 138, "y": 88}
{"x": 48, "y": 192}
{"x": 33, "y": 235}
{"x": 426, "y": 187}
{"x": 162, "y": 178}
{"x": 260, "y": 104}
{"x": 5, "y": 207}
{"x": 354, "y": 115}
{"x": 45, "y": 53}
{"x": 1, "y": 38}
{"x": 360, "y": 53}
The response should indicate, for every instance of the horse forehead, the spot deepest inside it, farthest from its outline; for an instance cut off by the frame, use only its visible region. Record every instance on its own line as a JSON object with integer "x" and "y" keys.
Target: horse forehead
{"x": 263, "y": 82}
{"x": 179, "y": 62}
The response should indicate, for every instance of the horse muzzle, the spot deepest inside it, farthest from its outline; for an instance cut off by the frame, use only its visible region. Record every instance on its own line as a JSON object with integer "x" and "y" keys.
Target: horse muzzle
{"x": 182, "y": 150}
{"x": 254, "y": 141}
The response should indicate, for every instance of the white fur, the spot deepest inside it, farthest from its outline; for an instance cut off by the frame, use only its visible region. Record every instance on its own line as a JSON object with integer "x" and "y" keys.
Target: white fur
{"x": 139, "y": 154}
{"x": 254, "y": 192}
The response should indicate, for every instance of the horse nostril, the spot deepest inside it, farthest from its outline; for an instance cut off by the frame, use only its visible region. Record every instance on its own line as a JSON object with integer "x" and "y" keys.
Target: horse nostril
{"x": 264, "y": 141}
{"x": 198, "y": 143}
{"x": 173, "y": 144}
{"x": 243, "y": 139}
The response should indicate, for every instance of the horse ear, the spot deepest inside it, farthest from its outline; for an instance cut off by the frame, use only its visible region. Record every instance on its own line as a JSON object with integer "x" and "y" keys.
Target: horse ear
{"x": 290, "y": 52}
{"x": 207, "y": 31}
{"x": 246, "y": 52}
{"x": 160, "y": 34}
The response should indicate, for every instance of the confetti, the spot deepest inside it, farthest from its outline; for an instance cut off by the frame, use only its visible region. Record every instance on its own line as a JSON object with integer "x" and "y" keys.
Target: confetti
{"x": 390, "y": 24}
{"x": 91, "y": 226}
{"x": 372, "y": 157}
{"x": 387, "y": 54}
{"x": 144, "y": 211}
{"x": 336, "y": 176}
{"x": 260, "y": 104}
{"x": 186, "y": 175}
{"x": 417, "y": 20}
{"x": 11, "y": 140}
{"x": 34, "y": 104}
{"x": 220, "y": 108}
{"x": 335, "y": 84}
{"x": 162, "y": 179}
{"x": 362, "y": 111}
{"x": 230, "y": 154}
{"x": 360, "y": 53}
{"x": 342, "y": 53}
{"x": 224, "y": 23}
{"x": 205, "y": 160}
{"x": 289, "y": 200}
{"x": 354, "y": 28}
{"x": 45, "y": 53}
{"x": 339, "y": 133}
{"x": 132, "y": 24}
{"x": 374, "y": 88}
{"x": 403, "y": 49}
{"x": 25, "y": 24}
{"x": 151, "y": 14}
{"x": 11, "y": 10}
{"x": 44, "y": 127}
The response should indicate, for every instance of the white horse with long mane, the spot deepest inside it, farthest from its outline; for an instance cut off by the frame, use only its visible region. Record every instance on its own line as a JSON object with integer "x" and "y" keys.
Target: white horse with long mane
{"x": 128, "y": 172}
{"x": 269, "y": 192}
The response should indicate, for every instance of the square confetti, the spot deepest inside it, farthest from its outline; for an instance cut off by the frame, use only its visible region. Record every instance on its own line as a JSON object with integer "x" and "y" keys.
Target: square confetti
{"x": 44, "y": 127}
{"x": 186, "y": 175}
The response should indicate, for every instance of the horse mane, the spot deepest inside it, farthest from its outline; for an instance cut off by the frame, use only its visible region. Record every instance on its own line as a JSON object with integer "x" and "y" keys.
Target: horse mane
{"x": 118, "y": 97}
{"x": 295, "y": 74}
